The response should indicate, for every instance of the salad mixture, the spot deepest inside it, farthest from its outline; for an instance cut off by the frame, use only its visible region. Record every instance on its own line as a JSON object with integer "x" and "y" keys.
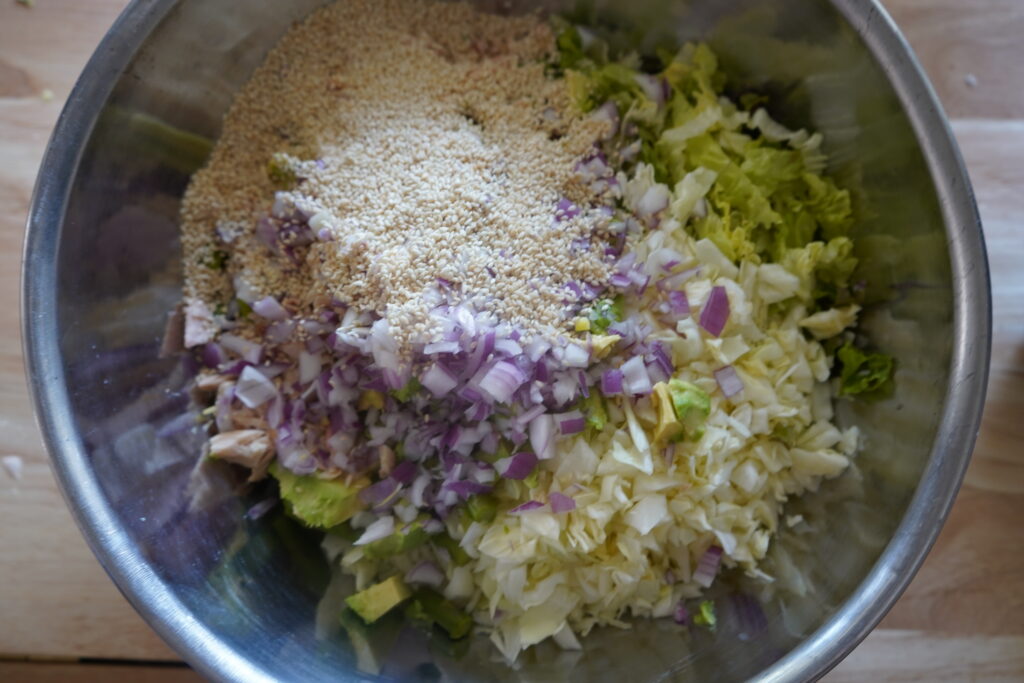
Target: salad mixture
{"x": 542, "y": 338}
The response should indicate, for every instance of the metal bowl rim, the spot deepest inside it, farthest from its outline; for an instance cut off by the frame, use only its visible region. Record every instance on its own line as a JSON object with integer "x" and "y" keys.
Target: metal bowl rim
{"x": 816, "y": 655}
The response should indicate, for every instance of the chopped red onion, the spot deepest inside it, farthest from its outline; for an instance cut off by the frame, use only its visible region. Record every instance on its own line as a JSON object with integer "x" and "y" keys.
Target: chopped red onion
{"x": 275, "y": 412}
{"x": 404, "y": 472}
{"x": 681, "y": 615}
{"x": 381, "y": 528}
{"x": 253, "y": 388}
{"x": 678, "y": 304}
{"x": 716, "y": 311}
{"x": 438, "y": 380}
{"x": 561, "y": 503}
{"x": 465, "y": 489}
{"x": 502, "y": 380}
{"x": 526, "y": 507}
{"x": 626, "y": 263}
{"x": 380, "y": 493}
{"x": 537, "y": 347}
{"x": 508, "y": 347}
{"x": 728, "y": 381}
{"x": 635, "y": 377}
{"x": 418, "y": 490}
{"x": 527, "y": 416}
{"x": 620, "y": 280}
{"x": 611, "y": 382}
{"x": 570, "y": 423}
{"x": 566, "y": 210}
{"x": 584, "y": 384}
{"x": 542, "y": 436}
{"x": 441, "y": 347}
{"x": 269, "y": 308}
{"x": 249, "y": 351}
{"x": 575, "y": 356}
{"x": 425, "y": 574}
{"x": 654, "y": 200}
{"x": 309, "y": 366}
{"x": 707, "y": 567}
{"x": 213, "y": 355}
{"x": 676, "y": 281}
{"x": 518, "y": 466}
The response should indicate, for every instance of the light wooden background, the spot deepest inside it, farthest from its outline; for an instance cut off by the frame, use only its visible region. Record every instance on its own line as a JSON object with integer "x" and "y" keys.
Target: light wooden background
{"x": 963, "y": 616}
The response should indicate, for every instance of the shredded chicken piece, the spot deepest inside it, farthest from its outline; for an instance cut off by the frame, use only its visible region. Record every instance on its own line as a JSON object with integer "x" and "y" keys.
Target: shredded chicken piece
{"x": 247, "y": 447}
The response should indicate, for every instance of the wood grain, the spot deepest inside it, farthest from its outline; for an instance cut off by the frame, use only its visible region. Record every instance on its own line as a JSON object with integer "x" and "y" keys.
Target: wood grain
{"x": 72, "y": 672}
{"x": 962, "y": 617}
{"x": 971, "y": 50}
{"x": 54, "y": 597}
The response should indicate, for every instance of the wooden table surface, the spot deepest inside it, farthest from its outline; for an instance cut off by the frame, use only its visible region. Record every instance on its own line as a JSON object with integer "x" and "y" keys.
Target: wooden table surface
{"x": 962, "y": 618}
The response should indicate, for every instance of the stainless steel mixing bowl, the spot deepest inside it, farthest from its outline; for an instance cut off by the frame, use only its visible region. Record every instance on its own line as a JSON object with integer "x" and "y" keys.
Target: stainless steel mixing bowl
{"x": 238, "y": 598}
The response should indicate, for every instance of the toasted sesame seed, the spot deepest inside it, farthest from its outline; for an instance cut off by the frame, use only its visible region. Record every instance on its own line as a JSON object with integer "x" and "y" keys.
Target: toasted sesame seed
{"x": 422, "y": 134}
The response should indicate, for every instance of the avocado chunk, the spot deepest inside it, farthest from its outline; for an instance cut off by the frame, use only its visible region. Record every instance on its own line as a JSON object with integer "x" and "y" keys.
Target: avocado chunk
{"x": 317, "y": 502}
{"x": 432, "y": 607}
{"x": 594, "y": 411}
{"x": 669, "y": 428}
{"x": 692, "y": 406}
{"x": 379, "y": 599}
{"x": 410, "y": 537}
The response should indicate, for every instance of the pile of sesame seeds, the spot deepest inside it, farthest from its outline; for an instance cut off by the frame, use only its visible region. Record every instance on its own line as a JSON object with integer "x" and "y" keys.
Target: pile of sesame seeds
{"x": 431, "y": 151}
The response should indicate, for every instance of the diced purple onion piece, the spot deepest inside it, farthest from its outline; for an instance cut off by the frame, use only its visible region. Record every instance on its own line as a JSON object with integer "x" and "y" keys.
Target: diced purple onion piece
{"x": 611, "y": 382}
{"x": 526, "y": 507}
{"x": 404, "y": 472}
{"x": 425, "y": 574}
{"x": 518, "y": 466}
{"x": 716, "y": 311}
{"x": 465, "y": 489}
{"x": 436, "y": 348}
{"x": 561, "y": 503}
{"x": 575, "y": 356}
{"x": 253, "y": 388}
{"x": 566, "y": 210}
{"x": 527, "y": 416}
{"x": 438, "y": 380}
{"x": 309, "y": 366}
{"x": 681, "y": 615}
{"x": 542, "y": 436}
{"x": 678, "y": 304}
{"x": 381, "y": 528}
{"x": 570, "y": 423}
{"x": 707, "y": 567}
{"x": 280, "y": 332}
{"x": 213, "y": 355}
{"x": 676, "y": 281}
{"x": 728, "y": 381}
{"x": 380, "y": 493}
{"x": 269, "y": 308}
{"x": 635, "y": 378}
{"x": 502, "y": 380}
{"x": 247, "y": 350}
{"x": 661, "y": 358}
